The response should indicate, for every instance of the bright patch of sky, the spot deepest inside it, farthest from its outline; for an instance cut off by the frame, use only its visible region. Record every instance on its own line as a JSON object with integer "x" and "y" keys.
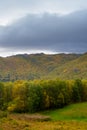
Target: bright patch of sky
{"x": 14, "y": 9}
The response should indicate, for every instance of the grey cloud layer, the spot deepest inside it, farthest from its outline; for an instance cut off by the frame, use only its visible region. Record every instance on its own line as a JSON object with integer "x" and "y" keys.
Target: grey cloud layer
{"x": 48, "y": 31}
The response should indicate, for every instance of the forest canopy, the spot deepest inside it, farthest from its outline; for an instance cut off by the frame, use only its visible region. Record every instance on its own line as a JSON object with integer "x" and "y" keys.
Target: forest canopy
{"x": 38, "y": 95}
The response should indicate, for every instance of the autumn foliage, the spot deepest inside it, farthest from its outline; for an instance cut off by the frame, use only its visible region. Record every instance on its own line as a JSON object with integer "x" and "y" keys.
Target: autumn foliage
{"x": 38, "y": 95}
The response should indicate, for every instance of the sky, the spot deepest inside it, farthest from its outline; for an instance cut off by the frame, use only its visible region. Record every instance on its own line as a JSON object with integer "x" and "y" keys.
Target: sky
{"x": 49, "y": 26}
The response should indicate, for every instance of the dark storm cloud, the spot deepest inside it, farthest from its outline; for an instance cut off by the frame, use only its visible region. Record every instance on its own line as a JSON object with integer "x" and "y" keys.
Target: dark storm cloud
{"x": 66, "y": 33}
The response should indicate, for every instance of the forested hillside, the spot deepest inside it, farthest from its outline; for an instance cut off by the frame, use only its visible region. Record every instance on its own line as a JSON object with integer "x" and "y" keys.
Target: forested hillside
{"x": 43, "y": 66}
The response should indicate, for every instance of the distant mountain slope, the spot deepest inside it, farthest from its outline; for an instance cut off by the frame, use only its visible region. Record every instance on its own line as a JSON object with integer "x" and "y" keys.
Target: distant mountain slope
{"x": 39, "y": 66}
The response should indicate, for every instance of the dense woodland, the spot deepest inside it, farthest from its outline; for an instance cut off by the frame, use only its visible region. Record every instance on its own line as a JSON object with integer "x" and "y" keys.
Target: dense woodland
{"x": 38, "y": 95}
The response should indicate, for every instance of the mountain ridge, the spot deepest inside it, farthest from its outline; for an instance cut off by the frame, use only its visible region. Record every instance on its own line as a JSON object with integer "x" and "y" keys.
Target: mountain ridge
{"x": 43, "y": 66}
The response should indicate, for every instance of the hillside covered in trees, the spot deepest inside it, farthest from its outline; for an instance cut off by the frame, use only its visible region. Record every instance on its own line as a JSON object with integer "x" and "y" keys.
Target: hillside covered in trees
{"x": 43, "y": 66}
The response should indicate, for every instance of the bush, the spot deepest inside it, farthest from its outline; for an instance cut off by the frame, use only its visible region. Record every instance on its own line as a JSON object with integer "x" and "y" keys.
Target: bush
{"x": 3, "y": 114}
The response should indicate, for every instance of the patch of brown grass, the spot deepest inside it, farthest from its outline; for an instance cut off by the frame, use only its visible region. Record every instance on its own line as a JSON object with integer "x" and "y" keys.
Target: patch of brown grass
{"x": 30, "y": 117}
{"x": 31, "y": 122}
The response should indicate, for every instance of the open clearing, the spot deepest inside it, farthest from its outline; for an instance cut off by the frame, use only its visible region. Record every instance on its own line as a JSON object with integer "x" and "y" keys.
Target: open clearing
{"x": 72, "y": 117}
{"x": 76, "y": 112}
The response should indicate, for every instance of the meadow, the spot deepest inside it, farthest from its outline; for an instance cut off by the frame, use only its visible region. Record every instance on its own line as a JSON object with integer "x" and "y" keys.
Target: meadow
{"x": 72, "y": 117}
{"x": 77, "y": 112}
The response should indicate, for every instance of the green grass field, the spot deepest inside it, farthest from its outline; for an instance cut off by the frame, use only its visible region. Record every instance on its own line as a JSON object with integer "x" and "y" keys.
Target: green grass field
{"x": 76, "y": 112}
{"x": 72, "y": 117}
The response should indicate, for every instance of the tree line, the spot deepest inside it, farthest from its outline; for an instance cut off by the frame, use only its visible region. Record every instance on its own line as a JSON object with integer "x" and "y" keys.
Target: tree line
{"x": 38, "y": 95}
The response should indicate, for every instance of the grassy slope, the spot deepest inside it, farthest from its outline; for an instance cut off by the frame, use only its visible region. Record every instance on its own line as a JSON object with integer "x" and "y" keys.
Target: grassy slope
{"x": 73, "y": 117}
{"x": 65, "y": 66}
{"x": 36, "y": 66}
{"x": 76, "y": 68}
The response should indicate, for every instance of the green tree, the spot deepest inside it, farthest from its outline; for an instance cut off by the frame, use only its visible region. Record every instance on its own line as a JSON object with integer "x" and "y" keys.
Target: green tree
{"x": 77, "y": 91}
{"x": 1, "y": 95}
